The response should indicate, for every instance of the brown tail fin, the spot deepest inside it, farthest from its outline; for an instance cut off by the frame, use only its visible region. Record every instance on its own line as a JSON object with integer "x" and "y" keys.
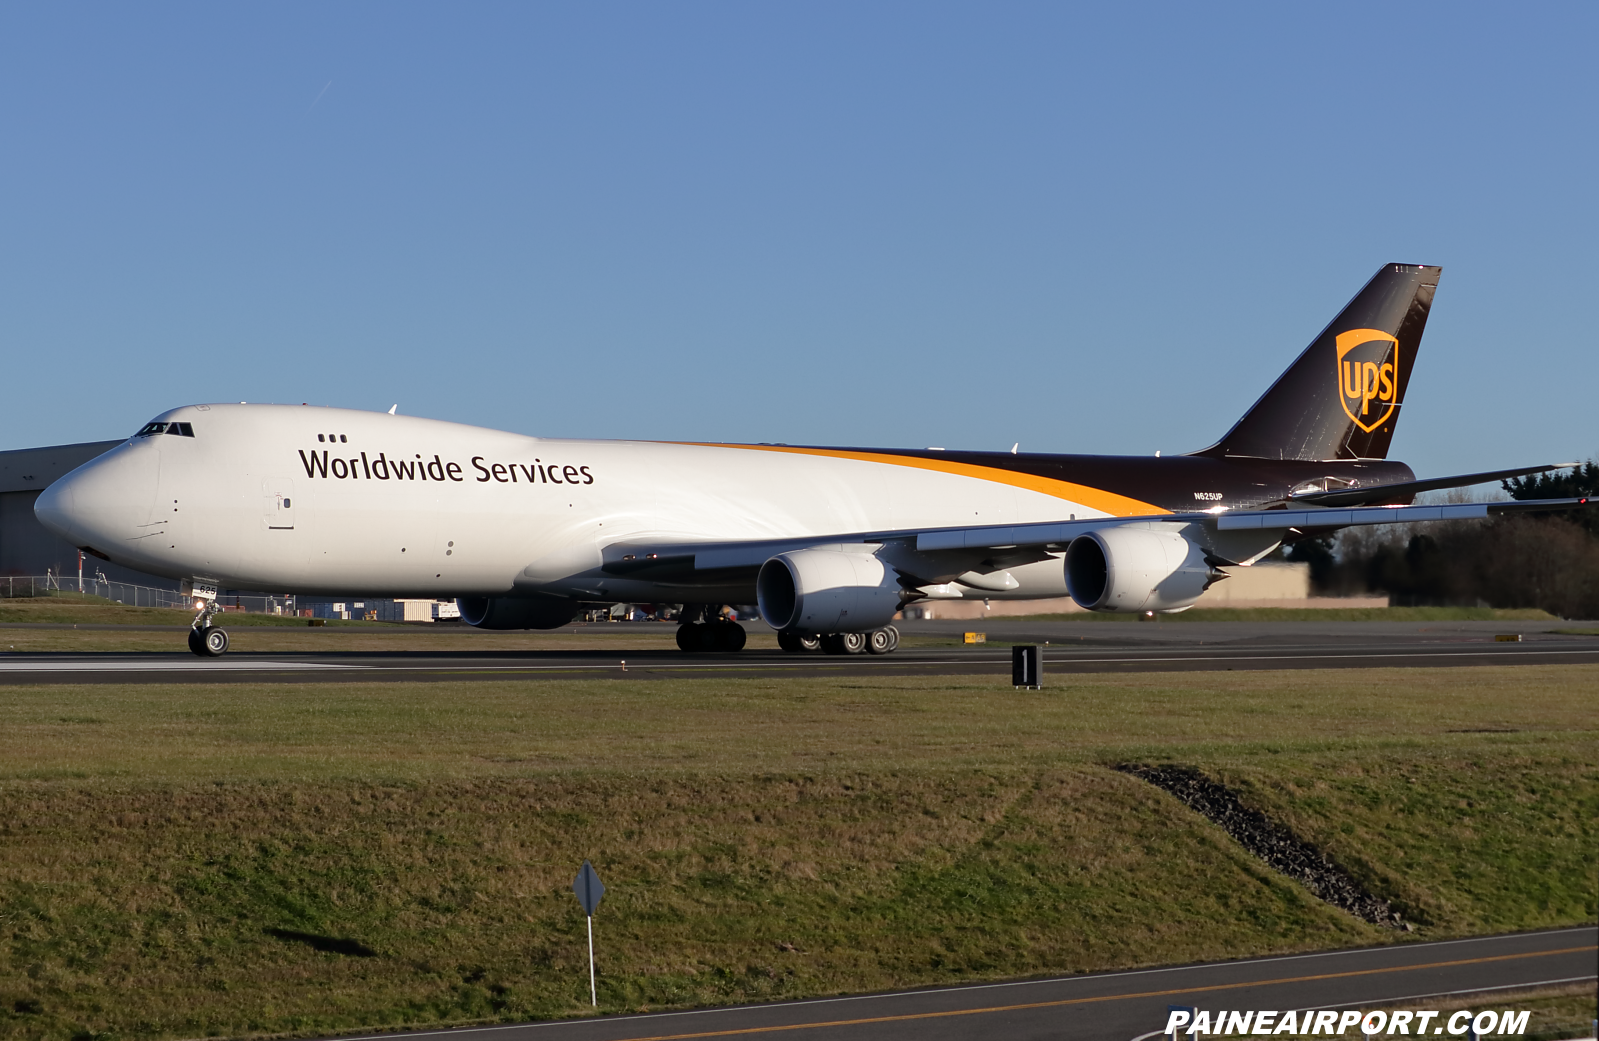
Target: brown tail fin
{"x": 1341, "y": 398}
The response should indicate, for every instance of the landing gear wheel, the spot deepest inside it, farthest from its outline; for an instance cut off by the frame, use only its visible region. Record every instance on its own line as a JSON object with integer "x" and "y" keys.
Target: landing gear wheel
{"x": 882, "y": 641}
{"x": 720, "y": 635}
{"x": 797, "y": 643}
{"x": 844, "y": 643}
{"x": 209, "y": 642}
{"x": 728, "y": 636}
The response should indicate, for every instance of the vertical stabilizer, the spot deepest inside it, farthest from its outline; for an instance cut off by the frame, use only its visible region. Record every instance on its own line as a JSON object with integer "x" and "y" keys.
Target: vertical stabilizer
{"x": 1341, "y": 398}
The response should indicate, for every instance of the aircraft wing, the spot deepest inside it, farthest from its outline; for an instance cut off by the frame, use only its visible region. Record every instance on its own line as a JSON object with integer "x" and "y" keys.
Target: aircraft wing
{"x": 1318, "y": 518}
{"x": 666, "y": 561}
{"x": 689, "y": 562}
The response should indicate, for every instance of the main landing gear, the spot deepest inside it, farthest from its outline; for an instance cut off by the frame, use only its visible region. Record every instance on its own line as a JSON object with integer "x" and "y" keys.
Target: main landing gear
{"x": 878, "y": 641}
{"x": 704, "y": 630}
{"x": 205, "y": 639}
{"x": 718, "y": 635}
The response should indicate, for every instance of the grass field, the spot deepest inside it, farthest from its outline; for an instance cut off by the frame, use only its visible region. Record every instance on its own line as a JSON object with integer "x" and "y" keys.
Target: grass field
{"x": 262, "y": 633}
{"x": 239, "y": 859}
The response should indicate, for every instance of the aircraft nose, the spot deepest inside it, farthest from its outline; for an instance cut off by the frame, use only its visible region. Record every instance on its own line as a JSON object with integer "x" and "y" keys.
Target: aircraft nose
{"x": 53, "y": 507}
{"x": 105, "y": 502}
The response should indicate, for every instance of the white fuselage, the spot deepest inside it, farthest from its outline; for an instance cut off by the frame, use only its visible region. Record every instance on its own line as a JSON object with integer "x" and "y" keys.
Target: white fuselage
{"x": 310, "y": 499}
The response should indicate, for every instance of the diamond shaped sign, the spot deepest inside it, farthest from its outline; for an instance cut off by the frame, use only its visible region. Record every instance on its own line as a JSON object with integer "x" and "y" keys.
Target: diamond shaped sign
{"x": 589, "y": 888}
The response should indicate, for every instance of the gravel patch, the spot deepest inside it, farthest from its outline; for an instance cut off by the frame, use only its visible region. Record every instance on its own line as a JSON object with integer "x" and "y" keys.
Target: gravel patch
{"x": 1280, "y": 848}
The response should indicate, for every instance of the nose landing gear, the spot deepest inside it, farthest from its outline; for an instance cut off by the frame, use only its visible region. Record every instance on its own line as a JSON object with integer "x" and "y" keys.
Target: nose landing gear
{"x": 205, "y": 639}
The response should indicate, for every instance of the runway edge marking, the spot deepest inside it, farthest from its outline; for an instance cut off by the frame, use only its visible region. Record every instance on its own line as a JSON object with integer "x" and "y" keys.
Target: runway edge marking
{"x": 909, "y": 1016}
{"x": 462, "y": 1031}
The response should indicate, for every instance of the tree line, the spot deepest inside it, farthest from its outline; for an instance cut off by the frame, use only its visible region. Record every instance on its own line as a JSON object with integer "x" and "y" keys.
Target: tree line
{"x": 1548, "y": 561}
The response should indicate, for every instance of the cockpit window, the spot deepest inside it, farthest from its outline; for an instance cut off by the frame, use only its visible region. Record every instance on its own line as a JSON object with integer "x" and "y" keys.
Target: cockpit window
{"x": 179, "y": 429}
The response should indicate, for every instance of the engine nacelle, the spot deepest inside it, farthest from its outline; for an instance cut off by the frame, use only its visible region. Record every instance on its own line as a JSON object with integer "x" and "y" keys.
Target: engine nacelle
{"x": 515, "y": 612}
{"x": 818, "y": 591}
{"x": 1135, "y": 569}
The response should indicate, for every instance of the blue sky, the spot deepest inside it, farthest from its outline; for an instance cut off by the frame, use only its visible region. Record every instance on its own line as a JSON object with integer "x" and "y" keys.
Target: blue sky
{"x": 1094, "y": 229}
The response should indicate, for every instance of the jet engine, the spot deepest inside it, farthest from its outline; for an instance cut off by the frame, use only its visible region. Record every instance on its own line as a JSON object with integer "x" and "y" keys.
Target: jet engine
{"x": 824, "y": 590}
{"x": 514, "y": 612}
{"x": 1136, "y": 569}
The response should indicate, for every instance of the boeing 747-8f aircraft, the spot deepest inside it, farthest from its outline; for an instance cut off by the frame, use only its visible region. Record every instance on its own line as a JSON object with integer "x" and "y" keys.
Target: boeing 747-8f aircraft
{"x": 829, "y": 542}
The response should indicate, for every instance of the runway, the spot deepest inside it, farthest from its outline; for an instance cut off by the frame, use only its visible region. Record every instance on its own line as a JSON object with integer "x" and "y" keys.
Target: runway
{"x": 1070, "y": 647}
{"x": 1115, "y": 1006}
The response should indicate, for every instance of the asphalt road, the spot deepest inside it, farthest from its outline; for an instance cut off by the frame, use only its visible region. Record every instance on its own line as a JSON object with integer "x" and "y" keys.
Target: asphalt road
{"x": 1118, "y": 1006}
{"x": 1072, "y": 647}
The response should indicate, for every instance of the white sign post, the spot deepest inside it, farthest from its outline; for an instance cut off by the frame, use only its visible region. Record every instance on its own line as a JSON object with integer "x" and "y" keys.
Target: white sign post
{"x": 589, "y": 890}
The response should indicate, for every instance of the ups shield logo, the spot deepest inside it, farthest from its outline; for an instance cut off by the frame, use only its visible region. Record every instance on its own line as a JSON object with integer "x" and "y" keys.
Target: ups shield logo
{"x": 1368, "y": 376}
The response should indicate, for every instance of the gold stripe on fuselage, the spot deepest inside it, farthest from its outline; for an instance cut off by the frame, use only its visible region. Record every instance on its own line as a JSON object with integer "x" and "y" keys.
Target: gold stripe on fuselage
{"x": 1094, "y": 498}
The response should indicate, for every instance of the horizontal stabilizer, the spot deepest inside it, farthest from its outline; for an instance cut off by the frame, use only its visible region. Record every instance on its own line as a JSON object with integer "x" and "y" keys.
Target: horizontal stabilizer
{"x": 1303, "y": 520}
{"x": 1383, "y": 494}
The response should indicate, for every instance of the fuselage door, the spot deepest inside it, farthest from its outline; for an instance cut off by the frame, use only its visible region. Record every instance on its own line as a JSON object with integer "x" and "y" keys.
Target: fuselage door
{"x": 279, "y": 503}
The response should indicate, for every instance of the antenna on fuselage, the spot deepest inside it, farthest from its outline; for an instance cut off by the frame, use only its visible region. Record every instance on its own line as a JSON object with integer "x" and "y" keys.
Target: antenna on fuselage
{"x": 393, "y": 407}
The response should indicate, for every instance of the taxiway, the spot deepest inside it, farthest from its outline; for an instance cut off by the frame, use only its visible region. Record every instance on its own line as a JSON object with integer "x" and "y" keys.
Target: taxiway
{"x": 1113, "y": 1006}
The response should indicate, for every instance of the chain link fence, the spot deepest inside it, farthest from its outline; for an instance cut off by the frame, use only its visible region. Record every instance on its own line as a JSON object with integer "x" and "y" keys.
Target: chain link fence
{"x": 97, "y": 585}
